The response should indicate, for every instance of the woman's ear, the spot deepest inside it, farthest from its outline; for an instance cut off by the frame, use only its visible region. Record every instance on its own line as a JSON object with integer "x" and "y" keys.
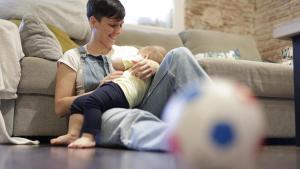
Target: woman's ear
{"x": 92, "y": 21}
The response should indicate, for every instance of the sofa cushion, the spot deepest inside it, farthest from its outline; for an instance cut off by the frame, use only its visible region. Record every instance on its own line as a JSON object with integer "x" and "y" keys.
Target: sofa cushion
{"x": 265, "y": 79}
{"x": 200, "y": 41}
{"x": 38, "y": 40}
{"x": 280, "y": 117}
{"x": 139, "y": 36}
{"x": 69, "y": 15}
{"x": 63, "y": 38}
{"x": 34, "y": 116}
{"x": 38, "y": 76}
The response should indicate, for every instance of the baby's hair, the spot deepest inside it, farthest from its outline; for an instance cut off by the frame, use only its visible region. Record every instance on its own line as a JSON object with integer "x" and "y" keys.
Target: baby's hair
{"x": 155, "y": 53}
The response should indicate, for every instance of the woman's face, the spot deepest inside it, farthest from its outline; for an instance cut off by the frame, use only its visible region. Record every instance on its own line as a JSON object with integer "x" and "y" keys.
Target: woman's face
{"x": 106, "y": 30}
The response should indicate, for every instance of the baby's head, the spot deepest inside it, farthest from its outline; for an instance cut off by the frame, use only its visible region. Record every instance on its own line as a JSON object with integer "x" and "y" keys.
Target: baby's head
{"x": 155, "y": 53}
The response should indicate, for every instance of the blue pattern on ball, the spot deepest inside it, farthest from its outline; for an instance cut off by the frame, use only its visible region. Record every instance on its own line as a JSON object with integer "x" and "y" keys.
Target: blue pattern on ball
{"x": 223, "y": 134}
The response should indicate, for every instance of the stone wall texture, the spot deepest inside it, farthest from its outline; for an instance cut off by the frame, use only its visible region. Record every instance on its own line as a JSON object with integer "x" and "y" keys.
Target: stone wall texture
{"x": 246, "y": 17}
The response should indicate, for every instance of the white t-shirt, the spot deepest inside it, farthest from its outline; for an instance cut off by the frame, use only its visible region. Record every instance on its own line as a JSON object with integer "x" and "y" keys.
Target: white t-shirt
{"x": 72, "y": 59}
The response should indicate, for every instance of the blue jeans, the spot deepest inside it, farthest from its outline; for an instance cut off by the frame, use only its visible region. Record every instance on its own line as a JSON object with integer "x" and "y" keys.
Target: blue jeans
{"x": 141, "y": 128}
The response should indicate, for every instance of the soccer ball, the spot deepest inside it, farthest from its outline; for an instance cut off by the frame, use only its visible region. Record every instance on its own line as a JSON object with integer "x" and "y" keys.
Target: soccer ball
{"x": 215, "y": 125}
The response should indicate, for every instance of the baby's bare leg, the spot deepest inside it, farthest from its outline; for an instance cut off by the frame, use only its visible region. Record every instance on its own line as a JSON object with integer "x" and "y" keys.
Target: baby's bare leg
{"x": 75, "y": 125}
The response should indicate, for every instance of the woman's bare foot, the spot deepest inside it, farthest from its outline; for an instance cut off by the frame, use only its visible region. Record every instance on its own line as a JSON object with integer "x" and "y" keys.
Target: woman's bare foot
{"x": 64, "y": 139}
{"x": 85, "y": 141}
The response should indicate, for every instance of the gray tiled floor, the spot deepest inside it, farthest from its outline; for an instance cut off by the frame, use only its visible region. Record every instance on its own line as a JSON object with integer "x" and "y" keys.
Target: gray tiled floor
{"x": 47, "y": 157}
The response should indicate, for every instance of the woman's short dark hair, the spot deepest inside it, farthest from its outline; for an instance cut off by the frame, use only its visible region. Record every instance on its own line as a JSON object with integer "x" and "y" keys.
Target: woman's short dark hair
{"x": 105, "y": 8}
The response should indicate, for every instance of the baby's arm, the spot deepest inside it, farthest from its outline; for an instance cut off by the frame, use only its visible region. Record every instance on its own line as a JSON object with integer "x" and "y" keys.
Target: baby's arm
{"x": 125, "y": 63}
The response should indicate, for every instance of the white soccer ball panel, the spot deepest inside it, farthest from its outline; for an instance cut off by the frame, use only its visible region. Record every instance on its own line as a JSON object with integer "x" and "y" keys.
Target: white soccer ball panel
{"x": 219, "y": 125}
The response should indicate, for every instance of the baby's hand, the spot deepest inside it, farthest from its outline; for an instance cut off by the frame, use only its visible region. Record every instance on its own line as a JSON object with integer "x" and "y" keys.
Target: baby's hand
{"x": 144, "y": 69}
{"x": 111, "y": 77}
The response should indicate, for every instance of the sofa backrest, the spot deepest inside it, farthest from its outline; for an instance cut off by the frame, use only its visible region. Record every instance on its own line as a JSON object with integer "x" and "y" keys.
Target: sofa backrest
{"x": 143, "y": 36}
{"x": 201, "y": 41}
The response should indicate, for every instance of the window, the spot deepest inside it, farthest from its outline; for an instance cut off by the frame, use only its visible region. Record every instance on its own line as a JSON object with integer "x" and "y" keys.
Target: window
{"x": 157, "y": 13}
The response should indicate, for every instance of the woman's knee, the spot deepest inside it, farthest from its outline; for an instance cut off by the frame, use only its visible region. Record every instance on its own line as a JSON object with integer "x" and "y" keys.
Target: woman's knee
{"x": 181, "y": 50}
{"x": 179, "y": 55}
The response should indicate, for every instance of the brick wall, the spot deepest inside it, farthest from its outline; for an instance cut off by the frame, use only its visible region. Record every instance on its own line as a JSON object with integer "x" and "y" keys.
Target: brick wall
{"x": 250, "y": 17}
{"x": 234, "y": 16}
{"x": 269, "y": 13}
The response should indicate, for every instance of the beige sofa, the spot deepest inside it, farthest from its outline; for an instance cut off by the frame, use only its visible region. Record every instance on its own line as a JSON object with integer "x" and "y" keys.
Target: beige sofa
{"x": 33, "y": 113}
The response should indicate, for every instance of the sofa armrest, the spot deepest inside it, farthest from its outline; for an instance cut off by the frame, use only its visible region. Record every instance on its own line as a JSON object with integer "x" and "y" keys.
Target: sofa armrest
{"x": 265, "y": 79}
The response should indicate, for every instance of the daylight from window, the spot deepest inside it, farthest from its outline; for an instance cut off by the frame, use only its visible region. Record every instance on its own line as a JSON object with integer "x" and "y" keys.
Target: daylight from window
{"x": 145, "y": 12}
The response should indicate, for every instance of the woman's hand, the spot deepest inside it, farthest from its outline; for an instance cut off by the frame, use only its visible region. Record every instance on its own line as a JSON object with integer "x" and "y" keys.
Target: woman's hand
{"x": 145, "y": 68}
{"x": 111, "y": 77}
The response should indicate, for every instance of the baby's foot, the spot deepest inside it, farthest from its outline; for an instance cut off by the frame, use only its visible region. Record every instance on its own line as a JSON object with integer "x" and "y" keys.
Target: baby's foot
{"x": 86, "y": 141}
{"x": 64, "y": 139}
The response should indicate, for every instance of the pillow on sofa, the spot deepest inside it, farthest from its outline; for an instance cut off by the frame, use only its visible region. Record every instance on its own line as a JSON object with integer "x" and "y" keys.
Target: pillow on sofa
{"x": 37, "y": 40}
{"x": 68, "y": 15}
{"x": 231, "y": 54}
{"x": 63, "y": 38}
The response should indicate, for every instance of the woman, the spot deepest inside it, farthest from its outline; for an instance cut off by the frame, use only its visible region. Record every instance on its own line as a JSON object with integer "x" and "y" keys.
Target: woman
{"x": 77, "y": 75}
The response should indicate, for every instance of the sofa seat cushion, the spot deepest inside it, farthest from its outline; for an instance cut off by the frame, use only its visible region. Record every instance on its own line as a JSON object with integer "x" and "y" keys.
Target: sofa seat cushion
{"x": 265, "y": 79}
{"x": 37, "y": 76}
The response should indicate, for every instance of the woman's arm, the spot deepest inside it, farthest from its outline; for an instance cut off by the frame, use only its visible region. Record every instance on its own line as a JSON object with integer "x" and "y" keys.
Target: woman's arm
{"x": 66, "y": 86}
{"x": 65, "y": 89}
